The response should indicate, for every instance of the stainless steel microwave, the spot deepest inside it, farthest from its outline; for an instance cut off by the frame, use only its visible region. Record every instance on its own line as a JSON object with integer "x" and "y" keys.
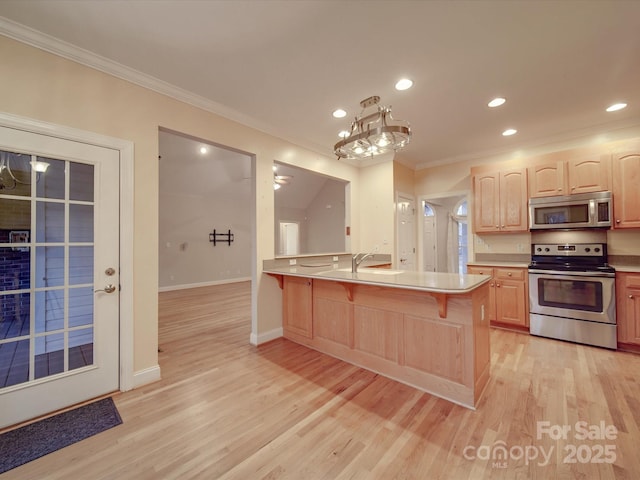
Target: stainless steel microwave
{"x": 583, "y": 210}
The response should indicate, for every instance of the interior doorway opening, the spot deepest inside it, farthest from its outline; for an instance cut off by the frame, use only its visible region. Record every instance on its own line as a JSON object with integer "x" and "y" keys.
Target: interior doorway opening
{"x": 445, "y": 234}
{"x": 289, "y": 238}
{"x": 204, "y": 187}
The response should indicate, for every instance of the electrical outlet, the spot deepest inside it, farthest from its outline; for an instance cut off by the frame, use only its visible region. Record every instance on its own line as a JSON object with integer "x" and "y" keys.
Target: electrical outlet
{"x": 335, "y": 259}
{"x": 292, "y": 261}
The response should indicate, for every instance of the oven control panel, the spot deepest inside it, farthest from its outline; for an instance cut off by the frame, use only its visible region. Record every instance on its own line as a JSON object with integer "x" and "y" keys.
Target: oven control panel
{"x": 569, "y": 249}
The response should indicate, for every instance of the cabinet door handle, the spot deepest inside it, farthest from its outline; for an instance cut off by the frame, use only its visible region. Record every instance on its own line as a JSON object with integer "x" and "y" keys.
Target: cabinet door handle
{"x": 498, "y": 285}
{"x": 630, "y": 296}
{"x": 491, "y": 285}
{"x": 509, "y": 274}
{"x": 617, "y": 221}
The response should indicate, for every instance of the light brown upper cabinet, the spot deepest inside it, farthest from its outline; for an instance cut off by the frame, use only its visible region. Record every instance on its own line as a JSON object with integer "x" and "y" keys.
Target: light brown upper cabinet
{"x": 500, "y": 201}
{"x": 548, "y": 179}
{"x": 582, "y": 174}
{"x": 626, "y": 189}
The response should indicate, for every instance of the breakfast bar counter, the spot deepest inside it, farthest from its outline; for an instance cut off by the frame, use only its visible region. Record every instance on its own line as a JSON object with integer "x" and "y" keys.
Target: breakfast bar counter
{"x": 427, "y": 330}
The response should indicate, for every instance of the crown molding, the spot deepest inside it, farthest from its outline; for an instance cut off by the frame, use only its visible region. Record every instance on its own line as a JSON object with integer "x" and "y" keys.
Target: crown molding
{"x": 562, "y": 141}
{"x": 79, "y": 55}
{"x": 50, "y": 44}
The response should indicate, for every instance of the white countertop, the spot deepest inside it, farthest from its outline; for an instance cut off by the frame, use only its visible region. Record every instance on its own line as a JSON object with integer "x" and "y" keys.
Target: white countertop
{"x": 626, "y": 268}
{"x": 451, "y": 283}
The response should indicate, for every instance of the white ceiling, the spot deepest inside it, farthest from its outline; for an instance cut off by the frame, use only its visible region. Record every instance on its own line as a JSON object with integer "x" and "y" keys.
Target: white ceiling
{"x": 216, "y": 173}
{"x": 284, "y": 66}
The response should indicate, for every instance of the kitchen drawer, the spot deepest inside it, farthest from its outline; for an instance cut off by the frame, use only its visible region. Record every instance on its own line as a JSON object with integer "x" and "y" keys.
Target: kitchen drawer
{"x": 476, "y": 270}
{"x": 509, "y": 273}
{"x": 631, "y": 280}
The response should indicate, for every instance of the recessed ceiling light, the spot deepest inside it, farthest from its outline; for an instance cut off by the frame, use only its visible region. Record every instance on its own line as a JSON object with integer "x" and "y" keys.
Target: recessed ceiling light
{"x": 339, "y": 113}
{"x": 404, "y": 84}
{"x": 343, "y": 134}
{"x": 616, "y": 106}
{"x": 496, "y": 102}
{"x": 509, "y": 131}
{"x": 203, "y": 150}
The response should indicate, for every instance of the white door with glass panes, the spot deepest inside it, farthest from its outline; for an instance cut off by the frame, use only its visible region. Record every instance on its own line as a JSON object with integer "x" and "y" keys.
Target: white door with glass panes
{"x": 429, "y": 238}
{"x": 406, "y": 232}
{"x": 59, "y": 273}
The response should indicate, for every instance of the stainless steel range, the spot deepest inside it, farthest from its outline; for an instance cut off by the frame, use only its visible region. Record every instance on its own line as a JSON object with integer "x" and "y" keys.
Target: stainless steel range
{"x": 572, "y": 293}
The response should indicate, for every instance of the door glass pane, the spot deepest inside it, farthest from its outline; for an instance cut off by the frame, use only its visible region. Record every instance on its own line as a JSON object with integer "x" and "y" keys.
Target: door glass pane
{"x": 50, "y": 177}
{"x": 80, "y": 265}
{"x": 49, "y": 310}
{"x": 15, "y": 268}
{"x": 80, "y": 306}
{"x": 14, "y": 215}
{"x": 15, "y": 174}
{"x": 49, "y": 266}
{"x": 81, "y": 223}
{"x": 49, "y": 358}
{"x": 80, "y": 348}
{"x": 81, "y": 182}
{"x": 14, "y": 315}
{"x": 14, "y": 363}
{"x": 49, "y": 222}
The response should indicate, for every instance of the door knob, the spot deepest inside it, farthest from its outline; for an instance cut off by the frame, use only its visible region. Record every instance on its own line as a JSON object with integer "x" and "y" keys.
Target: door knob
{"x": 108, "y": 289}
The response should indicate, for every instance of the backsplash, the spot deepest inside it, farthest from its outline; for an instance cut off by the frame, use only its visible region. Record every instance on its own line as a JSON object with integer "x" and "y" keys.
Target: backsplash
{"x": 503, "y": 257}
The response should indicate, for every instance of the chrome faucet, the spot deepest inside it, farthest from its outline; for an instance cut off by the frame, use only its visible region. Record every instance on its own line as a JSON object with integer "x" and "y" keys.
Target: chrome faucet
{"x": 357, "y": 259}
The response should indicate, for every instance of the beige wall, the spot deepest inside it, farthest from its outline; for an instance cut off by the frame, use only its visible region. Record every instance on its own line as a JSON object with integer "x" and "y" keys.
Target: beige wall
{"x": 403, "y": 179}
{"x": 374, "y": 219}
{"x": 49, "y": 88}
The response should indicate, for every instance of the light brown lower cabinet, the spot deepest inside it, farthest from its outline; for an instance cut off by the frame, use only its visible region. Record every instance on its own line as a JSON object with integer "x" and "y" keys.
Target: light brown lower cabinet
{"x": 628, "y": 308}
{"x": 297, "y": 306}
{"x": 436, "y": 342}
{"x": 508, "y": 294}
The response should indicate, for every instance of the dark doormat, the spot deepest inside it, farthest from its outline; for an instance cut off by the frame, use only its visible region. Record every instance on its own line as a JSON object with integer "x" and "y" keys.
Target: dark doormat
{"x": 35, "y": 440}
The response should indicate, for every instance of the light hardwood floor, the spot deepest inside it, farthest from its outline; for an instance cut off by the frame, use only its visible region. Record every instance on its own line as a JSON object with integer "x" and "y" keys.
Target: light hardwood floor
{"x": 227, "y": 410}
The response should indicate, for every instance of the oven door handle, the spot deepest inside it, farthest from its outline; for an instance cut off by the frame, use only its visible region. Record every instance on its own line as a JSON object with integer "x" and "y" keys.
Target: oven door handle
{"x": 572, "y": 274}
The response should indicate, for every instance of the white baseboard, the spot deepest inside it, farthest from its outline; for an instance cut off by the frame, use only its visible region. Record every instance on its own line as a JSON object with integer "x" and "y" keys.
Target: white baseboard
{"x": 148, "y": 375}
{"x": 203, "y": 284}
{"x": 265, "y": 337}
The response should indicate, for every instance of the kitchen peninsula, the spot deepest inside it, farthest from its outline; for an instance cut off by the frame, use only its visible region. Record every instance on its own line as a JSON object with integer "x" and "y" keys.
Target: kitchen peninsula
{"x": 428, "y": 330}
